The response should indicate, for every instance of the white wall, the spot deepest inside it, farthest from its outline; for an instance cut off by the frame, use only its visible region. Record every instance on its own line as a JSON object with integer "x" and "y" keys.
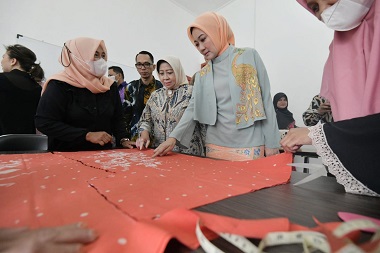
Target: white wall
{"x": 294, "y": 47}
{"x": 127, "y": 26}
{"x": 291, "y": 42}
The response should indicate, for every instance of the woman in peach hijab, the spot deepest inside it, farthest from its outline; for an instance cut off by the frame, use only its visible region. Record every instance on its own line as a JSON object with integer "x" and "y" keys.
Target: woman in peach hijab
{"x": 80, "y": 108}
{"x": 231, "y": 96}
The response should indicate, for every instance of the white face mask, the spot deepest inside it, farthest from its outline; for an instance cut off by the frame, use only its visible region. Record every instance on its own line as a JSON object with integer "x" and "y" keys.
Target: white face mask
{"x": 98, "y": 68}
{"x": 346, "y": 15}
{"x": 113, "y": 78}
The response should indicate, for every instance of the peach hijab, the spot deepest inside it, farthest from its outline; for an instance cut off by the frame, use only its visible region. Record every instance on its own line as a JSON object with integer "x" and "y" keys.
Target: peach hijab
{"x": 215, "y": 26}
{"x": 76, "y": 72}
{"x": 351, "y": 76}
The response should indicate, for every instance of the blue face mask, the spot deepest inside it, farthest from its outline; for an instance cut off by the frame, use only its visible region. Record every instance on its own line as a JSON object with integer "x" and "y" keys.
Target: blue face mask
{"x": 346, "y": 15}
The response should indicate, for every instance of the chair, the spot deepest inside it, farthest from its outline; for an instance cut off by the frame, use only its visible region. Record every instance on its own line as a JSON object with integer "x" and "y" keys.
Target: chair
{"x": 23, "y": 143}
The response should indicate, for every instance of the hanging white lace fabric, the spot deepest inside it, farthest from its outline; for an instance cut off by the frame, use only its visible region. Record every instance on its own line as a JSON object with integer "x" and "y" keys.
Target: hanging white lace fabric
{"x": 334, "y": 165}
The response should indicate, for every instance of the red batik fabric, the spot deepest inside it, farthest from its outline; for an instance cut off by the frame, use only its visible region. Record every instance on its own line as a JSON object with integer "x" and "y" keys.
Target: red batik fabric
{"x": 116, "y": 191}
{"x": 146, "y": 187}
{"x": 40, "y": 190}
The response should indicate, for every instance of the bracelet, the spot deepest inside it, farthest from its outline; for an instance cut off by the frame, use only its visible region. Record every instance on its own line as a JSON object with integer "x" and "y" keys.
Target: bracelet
{"x": 123, "y": 140}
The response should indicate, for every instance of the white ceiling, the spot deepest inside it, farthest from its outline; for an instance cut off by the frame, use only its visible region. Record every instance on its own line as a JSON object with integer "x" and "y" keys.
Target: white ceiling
{"x": 197, "y": 7}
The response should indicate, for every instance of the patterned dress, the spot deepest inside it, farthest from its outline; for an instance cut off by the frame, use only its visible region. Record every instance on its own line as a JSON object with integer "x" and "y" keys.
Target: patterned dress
{"x": 311, "y": 116}
{"x": 162, "y": 113}
{"x": 135, "y": 98}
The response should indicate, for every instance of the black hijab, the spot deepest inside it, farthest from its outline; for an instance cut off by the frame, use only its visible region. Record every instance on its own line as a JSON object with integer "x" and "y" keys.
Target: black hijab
{"x": 285, "y": 118}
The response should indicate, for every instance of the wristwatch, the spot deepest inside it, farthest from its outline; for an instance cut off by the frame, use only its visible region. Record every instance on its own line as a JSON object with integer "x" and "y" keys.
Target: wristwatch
{"x": 123, "y": 140}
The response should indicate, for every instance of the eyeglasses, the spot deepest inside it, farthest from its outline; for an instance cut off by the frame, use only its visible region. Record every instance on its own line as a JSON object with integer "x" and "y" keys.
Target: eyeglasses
{"x": 139, "y": 65}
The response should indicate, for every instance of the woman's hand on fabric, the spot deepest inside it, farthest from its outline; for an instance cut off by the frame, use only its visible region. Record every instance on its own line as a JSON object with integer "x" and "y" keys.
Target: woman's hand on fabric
{"x": 295, "y": 138}
{"x": 126, "y": 143}
{"x": 63, "y": 239}
{"x": 271, "y": 151}
{"x": 100, "y": 138}
{"x": 143, "y": 141}
{"x": 165, "y": 147}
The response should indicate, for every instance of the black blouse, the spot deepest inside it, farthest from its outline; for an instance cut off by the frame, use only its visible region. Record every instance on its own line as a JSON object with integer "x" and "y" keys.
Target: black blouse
{"x": 355, "y": 142}
{"x": 67, "y": 113}
{"x": 19, "y": 96}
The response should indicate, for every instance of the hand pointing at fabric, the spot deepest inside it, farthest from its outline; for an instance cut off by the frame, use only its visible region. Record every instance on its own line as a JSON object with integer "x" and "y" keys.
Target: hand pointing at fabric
{"x": 143, "y": 141}
{"x": 165, "y": 147}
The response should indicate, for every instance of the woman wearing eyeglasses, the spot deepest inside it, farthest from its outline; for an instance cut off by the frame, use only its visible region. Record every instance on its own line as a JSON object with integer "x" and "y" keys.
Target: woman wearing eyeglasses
{"x": 80, "y": 107}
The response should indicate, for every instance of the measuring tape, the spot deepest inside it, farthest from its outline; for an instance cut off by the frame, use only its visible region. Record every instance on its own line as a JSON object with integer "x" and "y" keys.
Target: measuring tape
{"x": 310, "y": 240}
{"x": 354, "y": 225}
{"x": 238, "y": 241}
